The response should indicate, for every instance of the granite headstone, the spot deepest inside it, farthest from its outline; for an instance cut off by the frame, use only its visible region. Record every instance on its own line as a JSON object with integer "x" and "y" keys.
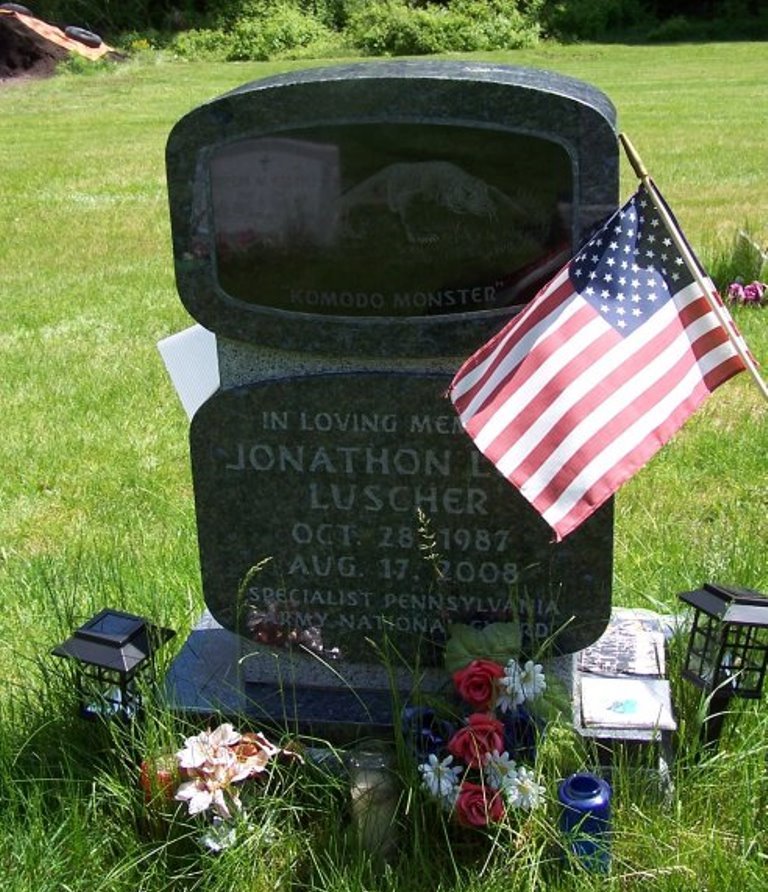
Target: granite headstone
{"x": 351, "y": 235}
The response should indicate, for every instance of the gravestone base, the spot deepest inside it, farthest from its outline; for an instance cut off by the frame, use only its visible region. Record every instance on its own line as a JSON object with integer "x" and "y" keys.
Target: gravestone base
{"x": 208, "y": 678}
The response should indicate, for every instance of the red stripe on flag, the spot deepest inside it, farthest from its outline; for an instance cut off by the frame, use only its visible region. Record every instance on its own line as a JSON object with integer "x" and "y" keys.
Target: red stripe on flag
{"x": 642, "y": 406}
{"x": 570, "y": 377}
{"x": 618, "y": 474}
{"x": 509, "y": 386}
{"x": 473, "y": 376}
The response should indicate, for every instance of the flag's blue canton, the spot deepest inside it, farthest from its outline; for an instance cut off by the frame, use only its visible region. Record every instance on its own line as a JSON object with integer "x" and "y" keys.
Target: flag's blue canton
{"x": 631, "y": 267}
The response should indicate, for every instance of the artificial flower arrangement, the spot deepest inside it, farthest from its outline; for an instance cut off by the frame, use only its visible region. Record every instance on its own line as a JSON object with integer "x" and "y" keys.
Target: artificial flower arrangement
{"x": 752, "y": 295}
{"x": 208, "y": 774}
{"x": 473, "y": 769}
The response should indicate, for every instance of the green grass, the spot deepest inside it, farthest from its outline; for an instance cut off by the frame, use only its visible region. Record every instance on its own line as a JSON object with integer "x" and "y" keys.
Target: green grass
{"x": 96, "y": 502}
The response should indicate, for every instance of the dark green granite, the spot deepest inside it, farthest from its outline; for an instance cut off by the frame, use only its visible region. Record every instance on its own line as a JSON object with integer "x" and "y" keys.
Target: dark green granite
{"x": 337, "y": 484}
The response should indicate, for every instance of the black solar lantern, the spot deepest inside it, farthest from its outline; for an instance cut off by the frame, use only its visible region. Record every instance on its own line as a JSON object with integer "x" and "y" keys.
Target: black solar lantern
{"x": 727, "y": 653}
{"x": 112, "y": 650}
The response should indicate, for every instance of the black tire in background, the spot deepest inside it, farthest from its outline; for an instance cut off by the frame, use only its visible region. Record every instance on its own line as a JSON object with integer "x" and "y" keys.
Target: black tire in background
{"x": 88, "y": 38}
{"x": 16, "y": 7}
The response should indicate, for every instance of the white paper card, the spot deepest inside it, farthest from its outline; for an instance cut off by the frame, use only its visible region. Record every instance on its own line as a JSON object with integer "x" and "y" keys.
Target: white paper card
{"x": 192, "y": 362}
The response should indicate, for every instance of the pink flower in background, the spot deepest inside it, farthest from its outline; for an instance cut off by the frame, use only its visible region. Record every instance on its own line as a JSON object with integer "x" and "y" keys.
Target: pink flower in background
{"x": 736, "y": 291}
{"x": 751, "y": 295}
{"x": 754, "y": 293}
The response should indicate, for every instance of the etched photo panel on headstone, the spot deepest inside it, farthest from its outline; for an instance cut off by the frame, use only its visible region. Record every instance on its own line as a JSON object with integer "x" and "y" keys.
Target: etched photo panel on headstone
{"x": 385, "y": 209}
{"x": 312, "y": 222}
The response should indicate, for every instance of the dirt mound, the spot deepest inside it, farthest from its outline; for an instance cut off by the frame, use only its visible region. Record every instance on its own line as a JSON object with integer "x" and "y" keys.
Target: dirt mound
{"x": 30, "y": 47}
{"x": 24, "y": 54}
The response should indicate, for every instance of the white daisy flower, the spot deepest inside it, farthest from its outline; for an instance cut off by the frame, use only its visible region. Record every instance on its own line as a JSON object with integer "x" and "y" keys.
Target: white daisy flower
{"x": 441, "y": 779}
{"x": 532, "y": 680}
{"x": 511, "y": 694}
{"x": 498, "y": 769}
{"x": 523, "y": 790}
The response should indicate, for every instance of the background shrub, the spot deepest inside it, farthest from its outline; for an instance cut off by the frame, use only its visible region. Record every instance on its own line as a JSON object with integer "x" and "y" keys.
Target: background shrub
{"x": 201, "y": 44}
{"x": 253, "y": 37}
{"x": 390, "y": 26}
{"x": 411, "y": 26}
{"x": 395, "y": 27}
{"x": 591, "y": 19}
{"x": 284, "y": 29}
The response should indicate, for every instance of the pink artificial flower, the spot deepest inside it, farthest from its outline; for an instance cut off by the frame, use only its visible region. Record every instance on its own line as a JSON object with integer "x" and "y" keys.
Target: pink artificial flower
{"x": 212, "y": 765}
{"x": 214, "y": 761}
{"x": 749, "y": 295}
{"x": 208, "y": 748}
{"x": 753, "y": 293}
{"x": 203, "y": 792}
{"x": 254, "y": 751}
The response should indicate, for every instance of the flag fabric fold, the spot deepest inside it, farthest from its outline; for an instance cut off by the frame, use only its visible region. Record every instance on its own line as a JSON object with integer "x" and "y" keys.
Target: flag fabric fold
{"x": 580, "y": 390}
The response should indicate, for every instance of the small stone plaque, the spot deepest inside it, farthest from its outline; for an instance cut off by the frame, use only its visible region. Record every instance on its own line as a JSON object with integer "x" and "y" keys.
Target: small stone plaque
{"x": 342, "y": 514}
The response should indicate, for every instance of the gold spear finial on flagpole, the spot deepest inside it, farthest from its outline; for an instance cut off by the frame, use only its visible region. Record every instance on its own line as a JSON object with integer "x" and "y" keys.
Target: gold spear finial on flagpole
{"x": 716, "y": 305}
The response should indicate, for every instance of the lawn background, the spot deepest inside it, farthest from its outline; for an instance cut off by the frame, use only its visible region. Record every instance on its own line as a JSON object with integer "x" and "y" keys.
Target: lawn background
{"x": 95, "y": 496}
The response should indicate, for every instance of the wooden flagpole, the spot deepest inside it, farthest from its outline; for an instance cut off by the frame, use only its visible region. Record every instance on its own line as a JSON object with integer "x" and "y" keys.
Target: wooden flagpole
{"x": 685, "y": 252}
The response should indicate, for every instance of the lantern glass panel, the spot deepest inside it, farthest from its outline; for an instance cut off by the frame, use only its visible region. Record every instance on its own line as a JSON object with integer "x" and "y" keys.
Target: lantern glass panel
{"x": 106, "y": 692}
{"x": 745, "y": 658}
{"x": 704, "y": 645}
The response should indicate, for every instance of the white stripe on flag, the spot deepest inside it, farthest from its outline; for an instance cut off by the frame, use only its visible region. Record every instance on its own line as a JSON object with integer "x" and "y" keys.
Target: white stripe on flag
{"x": 546, "y": 372}
{"x": 609, "y": 458}
{"x": 620, "y": 399}
{"x": 604, "y": 366}
{"x": 472, "y": 376}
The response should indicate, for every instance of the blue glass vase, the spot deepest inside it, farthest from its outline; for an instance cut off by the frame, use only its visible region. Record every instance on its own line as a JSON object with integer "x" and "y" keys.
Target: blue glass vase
{"x": 585, "y": 819}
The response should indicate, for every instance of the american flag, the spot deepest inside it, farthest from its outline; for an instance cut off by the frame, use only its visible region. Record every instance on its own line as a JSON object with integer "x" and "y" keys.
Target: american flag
{"x": 585, "y": 385}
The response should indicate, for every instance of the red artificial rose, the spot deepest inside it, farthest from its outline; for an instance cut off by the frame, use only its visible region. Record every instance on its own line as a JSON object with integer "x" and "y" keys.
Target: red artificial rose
{"x": 477, "y": 806}
{"x": 158, "y": 778}
{"x": 477, "y": 683}
{"x": 481, "y": 735}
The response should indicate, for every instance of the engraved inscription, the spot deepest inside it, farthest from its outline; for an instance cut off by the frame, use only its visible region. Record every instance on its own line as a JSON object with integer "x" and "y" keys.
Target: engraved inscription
{"x": 378, "y": 517}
